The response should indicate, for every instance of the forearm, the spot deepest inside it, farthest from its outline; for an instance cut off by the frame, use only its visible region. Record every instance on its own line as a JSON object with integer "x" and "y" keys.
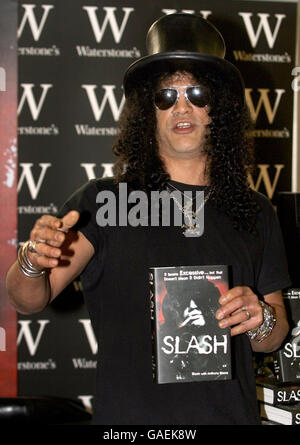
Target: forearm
{"x": 27, "y": 295}
{"x": 278, "y": 334}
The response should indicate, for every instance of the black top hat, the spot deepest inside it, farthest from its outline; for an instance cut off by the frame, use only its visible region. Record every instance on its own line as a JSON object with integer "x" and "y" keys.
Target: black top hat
{"x": 179, "y": 41}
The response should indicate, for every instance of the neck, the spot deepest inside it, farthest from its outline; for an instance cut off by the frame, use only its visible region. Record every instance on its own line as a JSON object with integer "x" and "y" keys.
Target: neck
{"x": 187, "y": 171}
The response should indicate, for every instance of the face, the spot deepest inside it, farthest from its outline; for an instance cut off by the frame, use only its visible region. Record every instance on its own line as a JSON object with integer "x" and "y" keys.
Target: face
{"x": 182, "y": 129}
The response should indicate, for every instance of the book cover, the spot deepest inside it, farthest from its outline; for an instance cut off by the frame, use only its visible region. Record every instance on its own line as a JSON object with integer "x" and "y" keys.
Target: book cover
{"x": 188, "y": 345}
{"x": 268, "y": 391}
{"x": 283, "y": 414}
{"x": 287, "y": 358}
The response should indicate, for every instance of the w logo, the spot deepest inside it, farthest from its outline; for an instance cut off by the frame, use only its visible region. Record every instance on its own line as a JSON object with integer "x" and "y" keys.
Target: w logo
{"x": 265, "y": 102}
{"x": 264, "y": 180}
{"x": 25, "y": 332}
{"x": 27, "y": 177}
{"x": 110, "y": 19}
{"x": 29, "y": 16}
{"x": 262, "y": 26}
{"x": 109, "y": 97}
{"x": 28, "y": 96}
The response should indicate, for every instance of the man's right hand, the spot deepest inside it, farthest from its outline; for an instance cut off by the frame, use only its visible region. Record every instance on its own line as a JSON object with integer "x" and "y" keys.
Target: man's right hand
{"x": 50, "y": 233}
{"x": 55, "y": 245}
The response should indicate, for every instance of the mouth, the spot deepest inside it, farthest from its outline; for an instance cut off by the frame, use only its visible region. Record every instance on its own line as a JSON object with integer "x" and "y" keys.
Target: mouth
{"x": 183, "y": 127}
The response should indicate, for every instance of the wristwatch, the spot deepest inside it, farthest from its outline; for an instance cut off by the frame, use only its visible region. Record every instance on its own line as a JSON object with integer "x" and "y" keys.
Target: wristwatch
{"x": 264, "y": 330}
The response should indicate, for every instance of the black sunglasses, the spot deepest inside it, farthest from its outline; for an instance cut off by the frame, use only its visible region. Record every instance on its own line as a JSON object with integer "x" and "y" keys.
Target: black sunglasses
{"x": 197, "y": 95}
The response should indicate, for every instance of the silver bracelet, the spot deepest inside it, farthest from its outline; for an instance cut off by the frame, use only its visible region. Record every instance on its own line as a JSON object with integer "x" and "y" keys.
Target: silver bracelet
{"x": 264, "y": 330}
{"x": 25, "y": 264}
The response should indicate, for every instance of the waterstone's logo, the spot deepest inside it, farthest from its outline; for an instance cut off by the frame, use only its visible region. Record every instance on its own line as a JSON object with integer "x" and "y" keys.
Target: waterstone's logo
{"x": 111, "y": 21}
{"x": 110, "y": 98}
{"x": 35, "y": 105}
{"x": 36, "y": 27}
{"x": 263, "y": 98}
{"x": 32, "y": 181}
{"x": 32, "y": 341}
{"x": 266, "y": 31}
{"x": 154, "y": 209}
{"x": 266, "y": 179}
{"x": 25, "y": 333}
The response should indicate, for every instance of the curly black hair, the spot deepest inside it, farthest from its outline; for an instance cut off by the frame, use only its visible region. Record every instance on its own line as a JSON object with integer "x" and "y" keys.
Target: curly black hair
{"x": 229, "y": 149}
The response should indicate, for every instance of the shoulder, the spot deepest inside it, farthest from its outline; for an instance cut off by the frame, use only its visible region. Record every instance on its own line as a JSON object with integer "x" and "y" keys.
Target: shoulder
{"x": 261, "y": 199}
{"x": 92, "y": 187}
{"x": 84, "y": 197}
{"x": 267, "y": 219}
{"x": 98, "y": 184}
{"x": 265, "y": 206}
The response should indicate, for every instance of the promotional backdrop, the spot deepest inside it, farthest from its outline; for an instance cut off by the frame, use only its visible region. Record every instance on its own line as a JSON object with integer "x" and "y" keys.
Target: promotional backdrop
{"x": 72, "y": 56}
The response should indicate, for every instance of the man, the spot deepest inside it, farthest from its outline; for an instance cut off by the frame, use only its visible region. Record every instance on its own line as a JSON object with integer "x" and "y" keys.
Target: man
{"x": 182, "y": 129}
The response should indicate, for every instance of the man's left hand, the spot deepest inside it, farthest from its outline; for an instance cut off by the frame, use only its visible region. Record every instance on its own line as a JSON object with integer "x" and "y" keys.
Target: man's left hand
{"x": 240, "y": 310}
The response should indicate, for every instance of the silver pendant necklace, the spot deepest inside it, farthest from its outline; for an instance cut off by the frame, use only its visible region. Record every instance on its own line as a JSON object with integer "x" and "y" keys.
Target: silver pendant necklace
{"x": 192, "y": 229}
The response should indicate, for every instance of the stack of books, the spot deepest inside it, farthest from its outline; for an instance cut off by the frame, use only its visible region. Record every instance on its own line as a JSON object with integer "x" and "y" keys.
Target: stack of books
{"x": 278, "y": 404}
{"x": 279, "y": 395}
{"x": 287, "y": 359}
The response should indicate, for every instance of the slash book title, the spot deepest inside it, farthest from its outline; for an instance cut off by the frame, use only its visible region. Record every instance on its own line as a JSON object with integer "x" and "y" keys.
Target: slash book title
{"x": 188, "y": 344}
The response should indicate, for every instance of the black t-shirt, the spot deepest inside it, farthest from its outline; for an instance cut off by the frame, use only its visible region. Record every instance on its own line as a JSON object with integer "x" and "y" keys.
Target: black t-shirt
{"x": 116, "y": 290}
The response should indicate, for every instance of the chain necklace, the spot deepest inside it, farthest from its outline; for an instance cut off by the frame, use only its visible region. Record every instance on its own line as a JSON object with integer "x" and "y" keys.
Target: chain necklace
{"x": 191, "y": 229}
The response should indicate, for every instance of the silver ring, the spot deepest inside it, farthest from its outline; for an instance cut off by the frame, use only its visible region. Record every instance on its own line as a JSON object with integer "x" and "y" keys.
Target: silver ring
{"x": 247, "y": 313}
{"x": 32, "y": 246}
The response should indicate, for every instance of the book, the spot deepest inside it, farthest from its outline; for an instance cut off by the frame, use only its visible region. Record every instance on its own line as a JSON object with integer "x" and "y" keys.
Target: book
{"x": 188, "y": 344}
{"x": 283, "y": 414}
{"x": 287, "y": 358}
{"x": 268, "y": 391}
{"x": 287, "y": 364}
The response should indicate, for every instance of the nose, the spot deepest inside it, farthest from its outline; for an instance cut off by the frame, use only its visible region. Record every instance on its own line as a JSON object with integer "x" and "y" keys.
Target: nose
{"x": 182, "y": 106}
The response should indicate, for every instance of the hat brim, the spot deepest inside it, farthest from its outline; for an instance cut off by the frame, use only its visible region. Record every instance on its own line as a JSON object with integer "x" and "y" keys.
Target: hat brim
{"x": 163, "y": 62}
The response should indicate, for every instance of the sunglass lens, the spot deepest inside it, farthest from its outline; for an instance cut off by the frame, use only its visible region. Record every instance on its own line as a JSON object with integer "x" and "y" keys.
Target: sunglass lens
{"x": 165, "y": 98}
{"x": 198, "y": 96}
